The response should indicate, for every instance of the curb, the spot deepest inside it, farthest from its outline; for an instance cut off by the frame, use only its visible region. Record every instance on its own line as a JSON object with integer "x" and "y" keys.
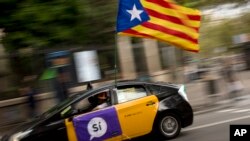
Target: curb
{"x": 217, "y": 106}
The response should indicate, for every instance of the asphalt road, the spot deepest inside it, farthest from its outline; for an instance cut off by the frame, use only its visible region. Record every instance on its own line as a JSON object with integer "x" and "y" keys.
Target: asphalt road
{"x": 213, "y": 126}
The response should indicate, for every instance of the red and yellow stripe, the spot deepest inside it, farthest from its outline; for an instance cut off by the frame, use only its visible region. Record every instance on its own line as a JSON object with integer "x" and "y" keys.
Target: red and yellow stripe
{"x": 170, "y": 23}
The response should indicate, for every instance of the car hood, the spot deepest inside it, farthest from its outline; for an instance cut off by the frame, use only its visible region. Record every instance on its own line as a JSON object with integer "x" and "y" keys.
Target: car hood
{"x": 28, "y": 125}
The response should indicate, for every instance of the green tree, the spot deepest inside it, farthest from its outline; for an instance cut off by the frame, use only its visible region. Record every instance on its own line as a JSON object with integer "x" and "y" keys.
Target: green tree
{"x": 217, "y": 34}
{"x": 46, "y": 24}
{"x": 204, "y": 3}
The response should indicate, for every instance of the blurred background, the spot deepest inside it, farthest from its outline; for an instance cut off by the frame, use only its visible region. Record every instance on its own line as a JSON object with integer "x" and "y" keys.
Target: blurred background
{"x": 51, "y": 49}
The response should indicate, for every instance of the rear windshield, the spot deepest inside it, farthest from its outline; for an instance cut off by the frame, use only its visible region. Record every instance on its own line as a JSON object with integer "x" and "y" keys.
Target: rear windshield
{"x": 158, "y": 89}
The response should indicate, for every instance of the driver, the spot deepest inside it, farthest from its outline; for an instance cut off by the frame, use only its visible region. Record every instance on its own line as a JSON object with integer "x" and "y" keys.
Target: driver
{"x": 102, "y": 101}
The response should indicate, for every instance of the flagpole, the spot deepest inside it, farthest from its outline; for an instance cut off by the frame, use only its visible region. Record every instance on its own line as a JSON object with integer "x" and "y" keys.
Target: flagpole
{"x": 115, "y": 65}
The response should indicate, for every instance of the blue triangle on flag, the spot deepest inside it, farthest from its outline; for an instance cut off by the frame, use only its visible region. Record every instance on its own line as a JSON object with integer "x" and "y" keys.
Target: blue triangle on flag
{"x": 124, "y": 18}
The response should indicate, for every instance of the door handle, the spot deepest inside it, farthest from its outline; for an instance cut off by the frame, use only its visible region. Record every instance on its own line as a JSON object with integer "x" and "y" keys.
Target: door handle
{"x": 150, "y": 103}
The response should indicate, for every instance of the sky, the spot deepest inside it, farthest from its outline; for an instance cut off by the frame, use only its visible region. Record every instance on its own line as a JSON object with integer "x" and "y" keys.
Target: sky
{"x": 227, "y": 11}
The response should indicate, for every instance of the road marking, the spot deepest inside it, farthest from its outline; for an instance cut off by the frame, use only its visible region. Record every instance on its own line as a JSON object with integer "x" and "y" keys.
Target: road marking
{"x": 224, "y": 111}
{"x": 216, "y": 123}
{"x": 241, "y": 111}
{"x": 234, "y": 111}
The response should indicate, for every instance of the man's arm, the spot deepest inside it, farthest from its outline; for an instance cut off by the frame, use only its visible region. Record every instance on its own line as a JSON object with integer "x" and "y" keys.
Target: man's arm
{"x": 101, "y": 106}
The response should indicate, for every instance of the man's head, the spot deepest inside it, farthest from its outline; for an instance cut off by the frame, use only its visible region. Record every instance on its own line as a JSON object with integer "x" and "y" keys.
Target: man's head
{"x": 102, "y": 96}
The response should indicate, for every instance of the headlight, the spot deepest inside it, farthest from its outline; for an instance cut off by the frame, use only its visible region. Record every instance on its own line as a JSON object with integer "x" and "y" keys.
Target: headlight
{"x": 182, "y": 92}
{"x": 18, "y": 136}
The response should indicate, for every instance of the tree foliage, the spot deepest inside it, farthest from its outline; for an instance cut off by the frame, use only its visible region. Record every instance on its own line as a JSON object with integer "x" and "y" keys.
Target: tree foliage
{"x": 217, "y": 34}
{"x": 46, "y": 24}
{"x": 43, "y": 24}
{"x": 50, "y": 23}
{"x": 205, "y": 3}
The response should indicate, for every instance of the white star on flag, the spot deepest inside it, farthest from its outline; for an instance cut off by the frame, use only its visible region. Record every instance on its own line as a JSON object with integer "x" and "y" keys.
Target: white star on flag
{"x": 135, "y": 13}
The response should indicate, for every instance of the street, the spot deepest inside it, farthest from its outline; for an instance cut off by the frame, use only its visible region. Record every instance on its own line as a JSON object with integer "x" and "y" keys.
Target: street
{"x": 213, "y": 126}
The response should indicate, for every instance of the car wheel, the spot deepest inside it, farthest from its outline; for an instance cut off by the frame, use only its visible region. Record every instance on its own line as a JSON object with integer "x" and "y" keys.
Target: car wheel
{"x": 169, "y": 126}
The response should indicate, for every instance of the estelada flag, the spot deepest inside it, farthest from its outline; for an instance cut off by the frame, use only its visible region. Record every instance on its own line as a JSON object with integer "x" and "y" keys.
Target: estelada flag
{"x": 160, "y": 19}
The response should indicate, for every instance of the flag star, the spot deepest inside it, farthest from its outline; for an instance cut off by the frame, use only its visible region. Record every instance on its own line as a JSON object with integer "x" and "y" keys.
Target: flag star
{"x": 135, "y": 13}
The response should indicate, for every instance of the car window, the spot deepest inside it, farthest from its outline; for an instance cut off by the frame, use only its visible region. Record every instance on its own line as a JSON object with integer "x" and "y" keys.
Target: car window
{"x": 58, "y": 106}
{"x": 76, "y": 108}
{"x": 168, "y": 90}
{"x": 155, "y": 89}
{"x": 81, "y": 106}
{"x": 87, "y": 104}
{"x": 127, "y": 93}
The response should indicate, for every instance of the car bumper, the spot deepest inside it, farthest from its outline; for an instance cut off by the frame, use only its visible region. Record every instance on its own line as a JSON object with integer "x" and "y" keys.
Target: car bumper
{"x": 4, "y": 138}
{"x": 187, "y": 114}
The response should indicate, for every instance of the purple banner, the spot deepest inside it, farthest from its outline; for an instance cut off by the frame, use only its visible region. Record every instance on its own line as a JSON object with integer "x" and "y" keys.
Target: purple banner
{"x": 98, "y": 125}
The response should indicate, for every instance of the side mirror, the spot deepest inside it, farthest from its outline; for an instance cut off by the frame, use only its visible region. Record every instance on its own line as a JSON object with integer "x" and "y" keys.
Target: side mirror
{"x": 65, "y": 111}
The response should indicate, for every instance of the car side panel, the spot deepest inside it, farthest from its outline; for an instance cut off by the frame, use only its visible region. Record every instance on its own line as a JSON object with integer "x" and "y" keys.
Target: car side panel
{"x": 176, "y": 104}
{"x": 49, "y": 132}
{"x": 70, "y": 130}
{"x": 72, "y": 134}
{"x": 137, "y": 116}
{"x": 78, "y": 126}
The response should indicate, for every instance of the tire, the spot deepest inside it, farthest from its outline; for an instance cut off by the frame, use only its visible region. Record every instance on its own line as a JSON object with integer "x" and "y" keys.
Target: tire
{"x": 169, "y": 126}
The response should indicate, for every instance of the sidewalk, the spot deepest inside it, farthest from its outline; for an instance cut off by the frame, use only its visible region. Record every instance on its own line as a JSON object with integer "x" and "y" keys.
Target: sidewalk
{"x": 223, "y": 104}
{"x": 201, "y": 100}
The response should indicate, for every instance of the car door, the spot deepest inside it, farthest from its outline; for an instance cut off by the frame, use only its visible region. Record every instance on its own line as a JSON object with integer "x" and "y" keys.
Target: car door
{"x": 96, "y": 124}
{"x": 136, "y": 110}
{"x": 49, "y": 131}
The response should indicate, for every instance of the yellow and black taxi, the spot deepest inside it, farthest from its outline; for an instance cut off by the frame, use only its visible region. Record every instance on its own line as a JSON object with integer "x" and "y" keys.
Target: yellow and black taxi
{"x": 120, "y": 111}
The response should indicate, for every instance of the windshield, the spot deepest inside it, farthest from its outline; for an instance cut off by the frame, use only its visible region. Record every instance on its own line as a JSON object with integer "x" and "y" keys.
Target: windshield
{"x": 59, "y": 106}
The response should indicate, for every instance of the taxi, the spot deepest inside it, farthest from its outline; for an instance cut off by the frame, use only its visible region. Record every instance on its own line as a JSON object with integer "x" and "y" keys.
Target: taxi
{"x": 119, "y": 111}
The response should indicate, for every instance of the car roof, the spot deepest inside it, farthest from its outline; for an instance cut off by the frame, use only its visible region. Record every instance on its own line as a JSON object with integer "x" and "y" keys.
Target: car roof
{"x": 124, "y": 83}
{"x": 137, "y": 82}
